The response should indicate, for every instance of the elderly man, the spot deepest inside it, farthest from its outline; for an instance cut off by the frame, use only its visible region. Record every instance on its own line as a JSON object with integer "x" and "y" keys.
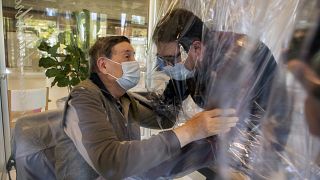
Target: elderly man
{"x": 100, "y": 135}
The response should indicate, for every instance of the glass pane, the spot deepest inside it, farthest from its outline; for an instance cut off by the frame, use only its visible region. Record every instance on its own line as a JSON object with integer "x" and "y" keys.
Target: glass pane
{"x": 40, "y": 33}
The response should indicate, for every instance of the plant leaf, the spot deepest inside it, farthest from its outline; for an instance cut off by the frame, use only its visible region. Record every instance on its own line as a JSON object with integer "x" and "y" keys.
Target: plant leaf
{"x": 68, "y": 59}
{"x": 75, "y": 81}
{"x": 47, "y": 62}
{"x": 67, "y": 69}
{"x": 84, "y": 69}
{"x": 53, "y": 72}
{"x": 63, "y": 82}
{"x": 62, "y": 37}
{"x": 76, "y": 64}
{"x": 44, "y": 46}
{"x": 70, "y": 49}
{"x": 53, "y": 49}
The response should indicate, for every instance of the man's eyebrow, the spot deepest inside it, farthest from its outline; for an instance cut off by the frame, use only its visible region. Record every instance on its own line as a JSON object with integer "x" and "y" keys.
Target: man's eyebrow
{"x": 128, "y": 51}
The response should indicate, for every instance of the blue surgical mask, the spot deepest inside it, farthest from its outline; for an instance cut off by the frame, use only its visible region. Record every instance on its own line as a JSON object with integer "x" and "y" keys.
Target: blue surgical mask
{"x": 130, "y": 76}
{"x": 178, "y": 72}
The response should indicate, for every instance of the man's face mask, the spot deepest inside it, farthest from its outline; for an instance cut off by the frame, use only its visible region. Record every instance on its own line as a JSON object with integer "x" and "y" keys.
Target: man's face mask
{"x": 130, "y": 76}
{"x": 173, "y": 68}
{"x": 178, "y": 72}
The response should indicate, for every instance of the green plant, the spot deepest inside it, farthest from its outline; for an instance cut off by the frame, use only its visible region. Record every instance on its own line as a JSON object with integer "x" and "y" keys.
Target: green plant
{"x": 64, "y": 61}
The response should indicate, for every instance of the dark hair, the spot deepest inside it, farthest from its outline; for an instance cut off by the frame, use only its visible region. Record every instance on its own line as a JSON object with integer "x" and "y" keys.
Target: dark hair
{"x": 103, "y": 47}
{"x": 311, "y": 52}
{"x": 179, "y": 24}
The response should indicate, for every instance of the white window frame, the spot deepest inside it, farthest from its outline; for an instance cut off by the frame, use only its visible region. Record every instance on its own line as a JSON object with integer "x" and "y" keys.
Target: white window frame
{"x": 5, "y": 147}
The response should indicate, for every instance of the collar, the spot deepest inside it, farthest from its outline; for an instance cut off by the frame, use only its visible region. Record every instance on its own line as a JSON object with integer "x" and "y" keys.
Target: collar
{"x": 97, "y": 81}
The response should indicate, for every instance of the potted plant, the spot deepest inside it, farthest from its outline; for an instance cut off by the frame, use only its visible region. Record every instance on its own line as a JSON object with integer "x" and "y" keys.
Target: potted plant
{"x": 64, "y": 61}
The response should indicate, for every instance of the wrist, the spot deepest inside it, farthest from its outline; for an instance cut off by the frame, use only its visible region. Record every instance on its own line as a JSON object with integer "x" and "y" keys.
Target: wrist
{"x": 183, "y": 134}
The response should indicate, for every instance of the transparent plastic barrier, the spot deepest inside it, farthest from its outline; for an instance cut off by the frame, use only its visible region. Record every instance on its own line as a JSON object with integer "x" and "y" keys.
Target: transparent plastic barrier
{"x": 241, "y": 65}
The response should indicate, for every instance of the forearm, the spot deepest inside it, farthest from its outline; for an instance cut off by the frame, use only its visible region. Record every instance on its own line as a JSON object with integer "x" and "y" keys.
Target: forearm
{"x": 116, "y": 159}
{"x": 124, "y": 159}
{"x": 152, "y": 113}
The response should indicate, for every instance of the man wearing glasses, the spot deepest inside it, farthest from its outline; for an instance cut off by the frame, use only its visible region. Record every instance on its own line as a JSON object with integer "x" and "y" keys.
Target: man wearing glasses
{"x": 214, "y": 73}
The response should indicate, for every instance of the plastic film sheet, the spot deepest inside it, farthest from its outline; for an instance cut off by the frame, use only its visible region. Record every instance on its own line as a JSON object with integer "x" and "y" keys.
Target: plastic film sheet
{"x": 299, "y": 156}
{"x": 233, "y": 54}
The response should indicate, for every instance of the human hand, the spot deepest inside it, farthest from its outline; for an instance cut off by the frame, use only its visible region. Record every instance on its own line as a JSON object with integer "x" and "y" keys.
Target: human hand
{"x": 311, "y": 82}
{"x": 205, "y": 124}
{"x": 304, "y": 74}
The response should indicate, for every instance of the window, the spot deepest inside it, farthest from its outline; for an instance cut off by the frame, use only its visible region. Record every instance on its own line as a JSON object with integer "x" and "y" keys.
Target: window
{"x": 27, "y": 22}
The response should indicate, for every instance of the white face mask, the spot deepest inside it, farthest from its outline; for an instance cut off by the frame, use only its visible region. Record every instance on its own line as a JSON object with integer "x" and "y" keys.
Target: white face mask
{"x": 130, "y": 76}
{"x": 178, "y": 72}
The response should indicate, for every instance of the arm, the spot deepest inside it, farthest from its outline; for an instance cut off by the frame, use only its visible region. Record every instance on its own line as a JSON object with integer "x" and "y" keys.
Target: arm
{"x": 143, "y": 110}
{"x": 115, "y": 158}
{"x": 161, "y": 111}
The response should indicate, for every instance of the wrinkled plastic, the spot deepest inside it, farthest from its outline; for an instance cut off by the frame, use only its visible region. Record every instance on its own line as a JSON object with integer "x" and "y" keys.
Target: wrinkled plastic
{"x": 242, "y": 42}
{"x": 299, "y": 158}
{"x": 242, "y": 66}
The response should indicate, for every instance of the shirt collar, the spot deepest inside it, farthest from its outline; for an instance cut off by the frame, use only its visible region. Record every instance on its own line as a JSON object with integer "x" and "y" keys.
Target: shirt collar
{"x": 97, "y": 81}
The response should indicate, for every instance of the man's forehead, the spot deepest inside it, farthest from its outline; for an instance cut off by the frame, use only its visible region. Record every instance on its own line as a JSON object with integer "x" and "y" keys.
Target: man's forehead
{"x": 167, "y": 48}
{"x": 123, "y": 48}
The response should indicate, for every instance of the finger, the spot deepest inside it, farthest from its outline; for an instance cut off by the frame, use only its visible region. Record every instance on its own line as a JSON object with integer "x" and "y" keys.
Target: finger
{"x": 223, "y": 126}
{"x": 221, "y": 112}
{"x": 225, "y": 120}
{"x": 221, "y": 131}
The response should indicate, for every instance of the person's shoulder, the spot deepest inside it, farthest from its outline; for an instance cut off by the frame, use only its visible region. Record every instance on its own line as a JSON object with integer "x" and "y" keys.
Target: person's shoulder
{"x": 86, "y": 87}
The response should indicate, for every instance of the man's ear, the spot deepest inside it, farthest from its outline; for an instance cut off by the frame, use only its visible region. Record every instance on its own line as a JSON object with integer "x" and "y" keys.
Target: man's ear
{"x": 197, "y": 47}
{"x": 101, "y": 65}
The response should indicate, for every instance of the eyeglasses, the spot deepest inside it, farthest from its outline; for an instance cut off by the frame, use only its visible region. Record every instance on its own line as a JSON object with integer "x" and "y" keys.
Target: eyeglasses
{"x": 169, "y": 60}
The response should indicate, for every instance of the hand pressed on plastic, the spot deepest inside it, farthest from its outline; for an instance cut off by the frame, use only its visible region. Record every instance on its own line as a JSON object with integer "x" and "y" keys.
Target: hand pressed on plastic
{"x": 205, "y": 124}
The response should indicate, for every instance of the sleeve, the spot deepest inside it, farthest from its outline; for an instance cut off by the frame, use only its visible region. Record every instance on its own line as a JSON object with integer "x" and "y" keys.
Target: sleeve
{"x": 92, "y": 133}
{"x": 165, "y": 107}
{"x": 149, "y": 116}
{"x": 176, "y": 91}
